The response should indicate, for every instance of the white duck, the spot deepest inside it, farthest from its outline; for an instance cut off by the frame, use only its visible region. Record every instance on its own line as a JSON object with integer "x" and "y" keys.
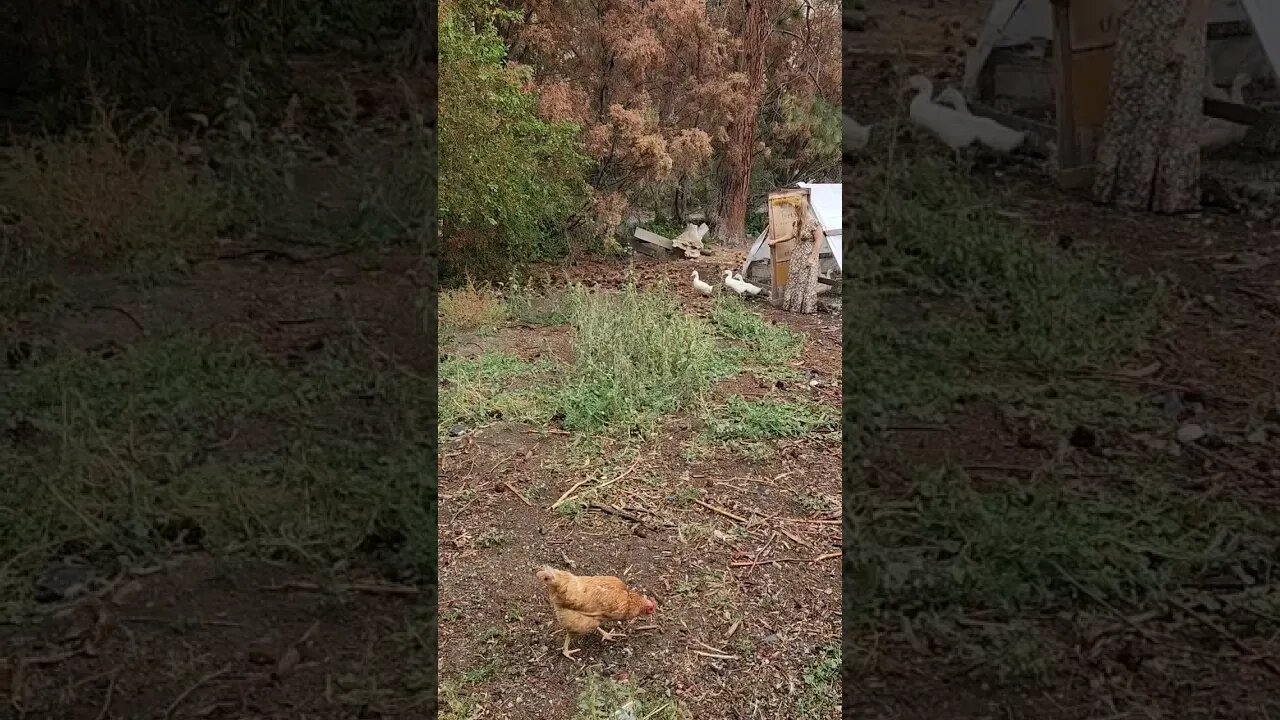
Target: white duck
{"x": 856, "y": 136}
{"x": 954, "y": 98}
{"x": 955, "y": 128}
{"x": 823, "y": 288}
{"x": 734, "y": 283}
{"x": 747, "y": 287}
{"x": 1217, "y": 133}
{"x": 700, "y": 285}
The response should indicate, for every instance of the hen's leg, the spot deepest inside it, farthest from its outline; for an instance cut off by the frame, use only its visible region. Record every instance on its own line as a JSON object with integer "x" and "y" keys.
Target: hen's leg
{"x": 566, "y": 651}
{"x": 607, "y": 636}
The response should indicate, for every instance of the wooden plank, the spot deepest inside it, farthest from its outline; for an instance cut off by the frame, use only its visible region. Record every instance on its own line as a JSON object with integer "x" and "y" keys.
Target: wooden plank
{"x": 1091, "y": 86}
{"x": 828, "y": 281}
{"x": 1076, "y": 178}
{"x": 1067, "y": 155}
{"x": 1016, "y": 77}
{"x": 1224, "y": 30}
{"x": 782, "y": 251}
{"x": 653, "y": 237}
{"x": 787, "y": 210}
{"x": 1243, "y": 114}
{"x": 781, "y": 271}
{"x": 650, "y": 249}
{"x": 1094, "y": 23}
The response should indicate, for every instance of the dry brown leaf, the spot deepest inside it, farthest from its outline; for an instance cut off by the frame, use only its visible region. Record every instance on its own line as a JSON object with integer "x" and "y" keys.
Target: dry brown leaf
{"x": 288, "y": 661}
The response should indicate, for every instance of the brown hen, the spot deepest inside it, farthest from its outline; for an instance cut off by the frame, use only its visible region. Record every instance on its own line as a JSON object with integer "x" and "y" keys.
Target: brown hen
{"x": 583, "y": 602}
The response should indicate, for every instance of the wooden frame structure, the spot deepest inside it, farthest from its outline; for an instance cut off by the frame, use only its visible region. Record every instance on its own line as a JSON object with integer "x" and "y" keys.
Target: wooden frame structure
{"x": 1084, "y": 38}
{"x": 788, "y": 214}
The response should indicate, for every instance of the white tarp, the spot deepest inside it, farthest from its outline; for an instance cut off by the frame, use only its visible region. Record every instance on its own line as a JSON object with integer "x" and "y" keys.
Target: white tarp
{"x": 827, "y": 201}
{"x": 1017, "y": 22}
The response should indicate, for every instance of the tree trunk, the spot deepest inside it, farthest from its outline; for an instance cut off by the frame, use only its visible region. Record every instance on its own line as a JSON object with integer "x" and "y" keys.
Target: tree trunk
{"x": 1149, "y": 157}
{"x": 740, "y": 149}
{"x": 677, "y": 201}
{"x": 801, "y": 293}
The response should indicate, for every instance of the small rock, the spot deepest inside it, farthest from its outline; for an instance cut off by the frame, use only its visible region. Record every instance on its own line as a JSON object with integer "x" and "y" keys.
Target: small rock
{"x": 457, "y": 430}
{"x": 1083, "y": 437}
{"x": 1031, "y": 442}
{"x": 66, "y": 581}
{"x": 1190, "y": 433}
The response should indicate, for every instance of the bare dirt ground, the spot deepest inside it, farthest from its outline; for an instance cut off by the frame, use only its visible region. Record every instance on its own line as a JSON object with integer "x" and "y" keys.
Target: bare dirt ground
{"x": 233, "y": 543}
{"x": 738, "y": 545}
{"x": 1203, "y": 646}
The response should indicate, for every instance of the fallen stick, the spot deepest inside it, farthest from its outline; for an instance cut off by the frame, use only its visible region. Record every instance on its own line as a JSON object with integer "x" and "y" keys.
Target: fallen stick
{"x": 355, "y": 587}
{"x": 720, "y": 511}
{"x": 712, "y": 649}
{"x": 189, "y": 621}
{"x": 616, "y": 512}
{"x": 774, "y": 561}
{"x": 811, "y": 521}
{"x": 106, "y": 701}
{"x": 794, "y": 538}
{"x": 1266, "y": 661}
{"x": 502, "y": 461}
{"x": 720, "y": 656}
{"x": 1224, "y": 460}
{"x": 523, "y": 499}
{"x": 565, "y": 497}
{"x": 173, "y": 706}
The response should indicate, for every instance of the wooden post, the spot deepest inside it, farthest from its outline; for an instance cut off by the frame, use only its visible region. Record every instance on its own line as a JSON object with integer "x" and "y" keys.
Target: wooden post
{"x": 1084, "y": 37}
{"x": 1068, "y": 157}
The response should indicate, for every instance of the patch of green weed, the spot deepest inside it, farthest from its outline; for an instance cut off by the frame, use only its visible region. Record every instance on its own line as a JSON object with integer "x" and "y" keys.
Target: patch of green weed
{"x": 113, "y": 190}
{"x": 637, "y": 357}
{"x": 960, "y": 303}
{"x": 602, "y": 698}
{"x": 1041, "y": 546}
{"x": 533, "y": 302}
{"x": 270, "y": 184}
{"x": 493, "y": 539}
{"x": 741, "y": 419}
{"x": 821, "y": 691}
{"x": 187, "y": 442}
{"x": 468, "y": 309}
{"x": 767, "y": 345}
{"x": 474, "y": 391}
{"x": 457, "y": 704}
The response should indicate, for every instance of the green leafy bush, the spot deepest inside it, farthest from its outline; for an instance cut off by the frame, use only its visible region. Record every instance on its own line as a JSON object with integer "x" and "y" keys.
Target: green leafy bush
{"x": 508, "y": 180}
